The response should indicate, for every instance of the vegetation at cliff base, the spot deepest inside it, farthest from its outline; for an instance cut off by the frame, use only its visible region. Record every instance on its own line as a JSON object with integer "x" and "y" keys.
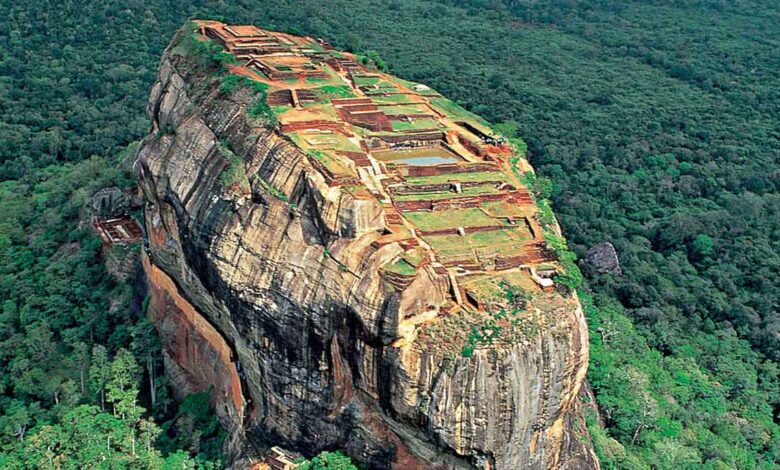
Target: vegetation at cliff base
{"x": 327, "y": 461}
{"x": 665, "y": 410}
{"x": 76, "y": 356}
{"x": 656, "y": 121}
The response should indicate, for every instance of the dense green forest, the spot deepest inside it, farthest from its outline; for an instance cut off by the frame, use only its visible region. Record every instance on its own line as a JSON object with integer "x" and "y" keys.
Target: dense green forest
{"x": 75, "y": 347}
{"x": 658, "y": 122}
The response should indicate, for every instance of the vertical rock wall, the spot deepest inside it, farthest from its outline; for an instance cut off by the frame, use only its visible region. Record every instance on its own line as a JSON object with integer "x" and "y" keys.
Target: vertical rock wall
{"x": 196, "y": 355}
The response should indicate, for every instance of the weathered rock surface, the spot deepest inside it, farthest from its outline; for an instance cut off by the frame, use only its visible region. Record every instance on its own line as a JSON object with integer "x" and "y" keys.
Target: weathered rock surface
{"x": 109, "y": 202}
{"x": 278, "y": 305}
{"x": 602, "y": 259}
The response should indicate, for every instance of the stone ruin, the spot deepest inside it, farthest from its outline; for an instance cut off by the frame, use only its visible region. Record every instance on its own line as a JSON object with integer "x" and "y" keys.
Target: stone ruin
{"x": 110, "y": 208}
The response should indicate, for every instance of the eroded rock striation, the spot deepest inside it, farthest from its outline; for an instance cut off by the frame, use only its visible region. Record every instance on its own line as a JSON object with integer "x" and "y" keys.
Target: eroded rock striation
{"x": 337, "y": 286}
{"x": 602, "y": 258}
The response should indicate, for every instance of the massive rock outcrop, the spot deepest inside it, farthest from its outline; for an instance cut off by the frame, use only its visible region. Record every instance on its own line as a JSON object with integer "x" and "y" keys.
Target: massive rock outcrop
{"x": 271, "y": 295}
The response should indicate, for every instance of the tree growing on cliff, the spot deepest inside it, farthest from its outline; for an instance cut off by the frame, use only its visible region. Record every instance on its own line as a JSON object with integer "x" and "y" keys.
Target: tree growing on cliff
{"x": 193, "y": 427}
{"x": 146, "y": 348}
{"x": 99, "y": 373}
{"x": 328, "y": 461}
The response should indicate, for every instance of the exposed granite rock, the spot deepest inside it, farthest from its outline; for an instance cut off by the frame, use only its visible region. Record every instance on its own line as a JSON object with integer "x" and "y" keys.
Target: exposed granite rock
{"x": 602, "y": 259}
{"x": 277, "y": 304}
{"x": 109, "y": 202}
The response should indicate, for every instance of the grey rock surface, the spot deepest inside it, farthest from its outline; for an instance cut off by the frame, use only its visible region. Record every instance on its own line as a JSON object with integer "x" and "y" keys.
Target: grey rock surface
{"x": 602, "y": 258}
{"x": 109, "y": 202}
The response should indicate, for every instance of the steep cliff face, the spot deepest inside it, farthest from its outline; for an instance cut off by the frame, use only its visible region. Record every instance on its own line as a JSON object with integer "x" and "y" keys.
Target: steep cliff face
{"x": 272, "y": 295}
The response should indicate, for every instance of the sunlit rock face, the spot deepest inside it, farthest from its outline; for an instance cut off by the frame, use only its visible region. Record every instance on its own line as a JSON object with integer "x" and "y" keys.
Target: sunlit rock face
{"x": 274, "y": 299}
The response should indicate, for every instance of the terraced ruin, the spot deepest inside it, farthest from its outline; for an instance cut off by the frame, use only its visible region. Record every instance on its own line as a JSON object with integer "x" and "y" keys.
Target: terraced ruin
{"x": 449, "y": 186}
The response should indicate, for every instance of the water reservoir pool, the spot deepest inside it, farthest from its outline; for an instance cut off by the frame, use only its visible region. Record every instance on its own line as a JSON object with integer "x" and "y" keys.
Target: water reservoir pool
{"x": 418, "y": 157}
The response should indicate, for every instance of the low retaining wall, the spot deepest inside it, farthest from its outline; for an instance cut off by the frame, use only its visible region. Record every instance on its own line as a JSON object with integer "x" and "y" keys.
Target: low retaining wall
{"x": 426, "y": 137}
{"x": 399, "y": 281}
{"x": 402, "y": 117}
{"x": 468, "y": 264}
{"x": 466, "y": 230}
{"x": 280, "y": 98}
{"x": 463, "y": 202}
{"x": 350, "y": 101}
{"x": 317, "y": 124}
{"x": 423, "y": 188}
{"x": 532, "y": 254}
{"x": 446, "y": 169}
{"x": 428, "y": 188}
{"x": 471, "y": 146}
{"x": 360, "y": 158}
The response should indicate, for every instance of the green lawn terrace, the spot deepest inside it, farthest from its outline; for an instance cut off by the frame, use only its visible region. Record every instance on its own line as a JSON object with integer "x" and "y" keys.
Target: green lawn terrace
{"x": 411, "y": 110}
{"x": 415, "y": 125}
{"x": 448, "y": 178}
{"x": 456, "y": 112}
{"x": 324, "y": 140}
{"x": 430, "y": 221}
{"x": 418, "y": 88}
{"x": 334, "y": 154}
{"x": 400, "y": 273}
{"x": 478, "y": 248}
{"x": 374, "y": 84}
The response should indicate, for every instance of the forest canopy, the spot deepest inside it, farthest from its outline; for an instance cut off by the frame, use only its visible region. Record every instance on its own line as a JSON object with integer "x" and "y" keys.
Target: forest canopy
{"x": 656, "y": 121}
